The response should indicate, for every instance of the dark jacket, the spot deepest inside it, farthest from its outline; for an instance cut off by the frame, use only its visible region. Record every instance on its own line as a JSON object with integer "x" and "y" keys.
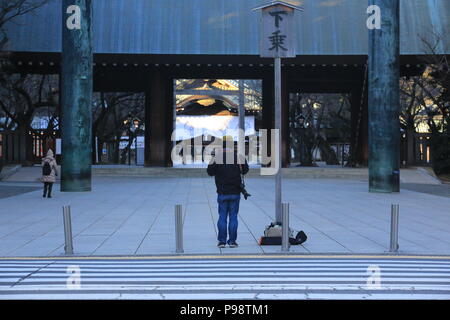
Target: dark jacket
{"x": 227, "y": 176}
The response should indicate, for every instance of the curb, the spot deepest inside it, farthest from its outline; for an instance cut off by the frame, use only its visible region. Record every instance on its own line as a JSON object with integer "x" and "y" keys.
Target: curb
{"x": 8, "y": 171}
{"x": 234, "y": 256}
{"x": 430, "y": 173}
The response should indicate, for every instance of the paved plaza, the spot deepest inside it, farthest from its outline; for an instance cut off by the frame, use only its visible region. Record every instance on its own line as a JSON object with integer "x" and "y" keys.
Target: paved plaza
{"x": 135, "y": 216}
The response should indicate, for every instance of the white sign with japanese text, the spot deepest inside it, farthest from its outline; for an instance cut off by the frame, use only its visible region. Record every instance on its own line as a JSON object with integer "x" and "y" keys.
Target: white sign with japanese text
{"x": 277, "y": 33}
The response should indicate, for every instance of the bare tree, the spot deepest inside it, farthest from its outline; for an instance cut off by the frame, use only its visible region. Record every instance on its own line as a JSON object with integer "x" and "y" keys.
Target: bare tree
{"x": 110, "y": 112}
{"x": 21, "y": 96}
{"x": 10, "y": 10}
{"x": 314, "y": 119}
{"x": 435, "y": 83}
{"x": 428, "y": 96}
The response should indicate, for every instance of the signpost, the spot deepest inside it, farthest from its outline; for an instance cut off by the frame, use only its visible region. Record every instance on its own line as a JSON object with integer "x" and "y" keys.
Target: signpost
{"x": 277, "y": 40}
{"x": 241, "y": 135}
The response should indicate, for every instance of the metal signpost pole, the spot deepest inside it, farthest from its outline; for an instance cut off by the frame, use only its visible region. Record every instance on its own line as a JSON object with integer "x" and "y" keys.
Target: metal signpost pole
{"x": 241, "y": 135}
{"x": 277, "y": 71}
{"x": 277, "y": 40}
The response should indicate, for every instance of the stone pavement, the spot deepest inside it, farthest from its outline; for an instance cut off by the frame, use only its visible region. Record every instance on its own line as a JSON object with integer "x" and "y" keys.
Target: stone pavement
{"x": 438, "y": 190}
{"x": 417, "y": 175}
{"x": 135, "y": 216}
{"x": 13, "y": 190}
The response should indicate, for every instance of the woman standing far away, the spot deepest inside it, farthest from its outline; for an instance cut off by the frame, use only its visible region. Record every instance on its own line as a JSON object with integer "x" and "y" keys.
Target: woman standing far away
{"x": 49, "y": 173}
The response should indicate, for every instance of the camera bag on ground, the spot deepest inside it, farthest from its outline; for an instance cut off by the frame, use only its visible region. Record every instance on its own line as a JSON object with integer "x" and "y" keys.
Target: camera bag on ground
{"x": 273, "y": 234}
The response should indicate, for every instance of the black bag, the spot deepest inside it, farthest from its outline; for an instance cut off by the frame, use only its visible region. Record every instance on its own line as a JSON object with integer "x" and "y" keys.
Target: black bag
{"x": 46, "y": 169}
{"x": 300, "y": 237}
{"x": 276, "y": 241}
{"x": 272, "y": 236}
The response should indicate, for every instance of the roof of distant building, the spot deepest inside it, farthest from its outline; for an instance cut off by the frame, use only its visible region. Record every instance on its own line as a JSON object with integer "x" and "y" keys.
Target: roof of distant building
{"x": 227, "y": 27}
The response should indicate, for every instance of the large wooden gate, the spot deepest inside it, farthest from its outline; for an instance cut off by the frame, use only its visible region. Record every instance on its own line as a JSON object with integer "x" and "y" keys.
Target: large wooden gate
{"x": 12, "y": 146}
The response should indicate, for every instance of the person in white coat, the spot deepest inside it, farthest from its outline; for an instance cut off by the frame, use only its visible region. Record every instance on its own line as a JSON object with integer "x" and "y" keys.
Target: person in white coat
{"x": 49, "y": 173}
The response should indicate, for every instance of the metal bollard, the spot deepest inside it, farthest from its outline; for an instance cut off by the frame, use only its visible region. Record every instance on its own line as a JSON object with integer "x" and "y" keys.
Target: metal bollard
{"x": 68, "y": 247}
{"x": 394, "y": 227}
{"x": 179, "y": 228}
{"x": 285, "y": 227}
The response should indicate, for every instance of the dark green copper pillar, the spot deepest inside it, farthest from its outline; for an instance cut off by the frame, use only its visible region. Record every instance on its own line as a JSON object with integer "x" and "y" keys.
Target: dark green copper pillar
{"x": 383, "y": 95}
{"x": 76, "y": 95}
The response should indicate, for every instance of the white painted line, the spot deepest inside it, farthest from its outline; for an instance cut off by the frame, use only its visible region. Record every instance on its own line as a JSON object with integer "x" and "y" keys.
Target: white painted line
{"x": 280, "y": 273}
{"x": 445, "y": 280}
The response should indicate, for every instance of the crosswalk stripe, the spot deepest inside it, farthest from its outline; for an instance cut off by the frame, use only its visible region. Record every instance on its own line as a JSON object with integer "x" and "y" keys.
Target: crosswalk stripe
{"x": 238, "y": 277}
{"x": 137, "y": 258}
{"x": 220, "y": 265}
{"x": 219, "y": 261}
{"x": 16, "y": 281}
{"x": 227, "y": 265}
{"x": 258, "y": 273}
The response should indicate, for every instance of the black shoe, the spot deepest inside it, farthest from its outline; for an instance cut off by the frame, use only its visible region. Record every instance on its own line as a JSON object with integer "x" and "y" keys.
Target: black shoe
{"x": 233, "y": 244}
{"x": 49, "y": 196}
{"x": 221, "y": 244}
{"x": 44, "y": 196}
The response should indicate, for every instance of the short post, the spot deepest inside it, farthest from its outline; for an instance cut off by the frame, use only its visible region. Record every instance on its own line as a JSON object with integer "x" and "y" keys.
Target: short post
{"x": 285, "y": 227}
{"x": 179, "y": 228}
{"x": 68, "y": 247}
{"x": 394, "y": 227}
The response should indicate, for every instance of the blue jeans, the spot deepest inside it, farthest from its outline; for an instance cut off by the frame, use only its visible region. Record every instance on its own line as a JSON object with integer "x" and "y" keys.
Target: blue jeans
{"x": 228, "y": 207}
